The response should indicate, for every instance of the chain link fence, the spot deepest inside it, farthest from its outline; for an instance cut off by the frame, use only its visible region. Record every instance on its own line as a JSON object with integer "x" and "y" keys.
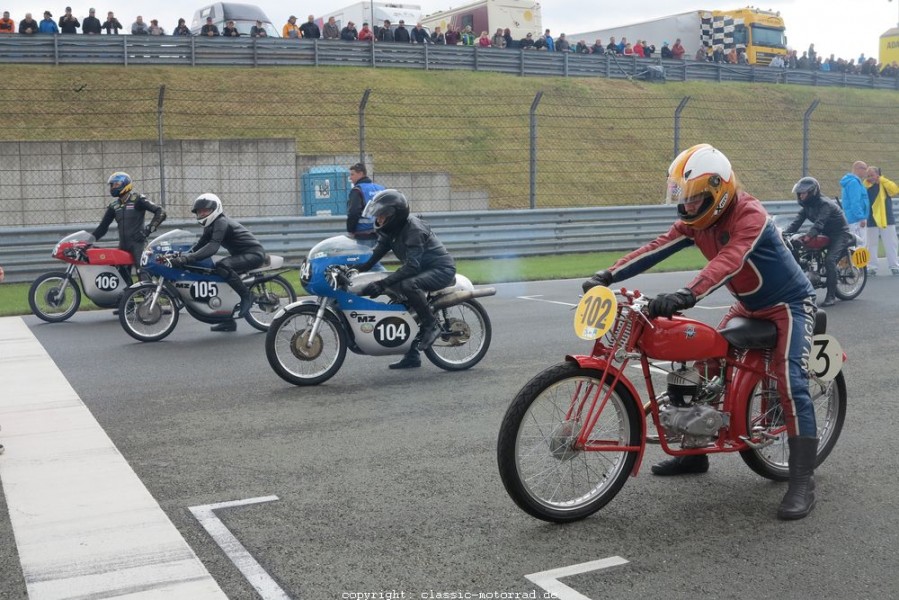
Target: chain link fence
{"x": 488, "y": 148}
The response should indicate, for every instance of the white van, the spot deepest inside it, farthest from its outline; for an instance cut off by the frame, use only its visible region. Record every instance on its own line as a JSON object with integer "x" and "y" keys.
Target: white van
{"x": 243, "y": 15}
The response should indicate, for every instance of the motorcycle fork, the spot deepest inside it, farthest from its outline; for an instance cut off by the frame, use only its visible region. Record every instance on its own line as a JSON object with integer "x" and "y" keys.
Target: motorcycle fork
{"x": 583, "y": 396}
{"x": 319, "y": 315}
{"x": 156, "y": 292}
{"x": 70, "y": 275}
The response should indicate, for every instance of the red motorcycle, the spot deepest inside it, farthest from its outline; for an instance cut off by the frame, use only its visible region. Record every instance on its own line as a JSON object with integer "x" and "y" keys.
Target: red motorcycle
{"x": 56, "y": 296}
{"x": 575, "y": 432}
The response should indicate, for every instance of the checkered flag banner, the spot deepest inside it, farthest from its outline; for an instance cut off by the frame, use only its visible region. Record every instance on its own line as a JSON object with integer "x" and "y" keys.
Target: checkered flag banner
{"x": 718, "y": 31}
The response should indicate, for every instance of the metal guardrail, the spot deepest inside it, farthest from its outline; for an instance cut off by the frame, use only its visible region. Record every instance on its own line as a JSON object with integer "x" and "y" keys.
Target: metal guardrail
{"x": 25, "y": 252}
{"x": 256, "y": 52}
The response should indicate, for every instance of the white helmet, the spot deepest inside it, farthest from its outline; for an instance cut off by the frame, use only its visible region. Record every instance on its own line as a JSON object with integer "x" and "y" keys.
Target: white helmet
{"x": 207, "y": 201}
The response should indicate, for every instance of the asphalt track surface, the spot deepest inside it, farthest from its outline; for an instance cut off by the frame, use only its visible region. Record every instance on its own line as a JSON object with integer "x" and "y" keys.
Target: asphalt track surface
{"x": 387, "y": 481}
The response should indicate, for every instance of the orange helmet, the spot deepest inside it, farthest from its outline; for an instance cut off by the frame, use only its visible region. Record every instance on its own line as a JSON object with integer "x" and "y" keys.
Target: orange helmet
{"x": 702, "y": 184}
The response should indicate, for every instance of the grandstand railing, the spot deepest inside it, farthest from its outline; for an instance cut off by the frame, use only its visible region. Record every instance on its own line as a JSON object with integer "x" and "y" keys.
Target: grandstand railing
{"x": 264, "y": 52}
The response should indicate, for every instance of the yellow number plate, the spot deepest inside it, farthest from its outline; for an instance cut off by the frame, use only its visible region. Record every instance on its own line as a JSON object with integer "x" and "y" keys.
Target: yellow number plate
{"x": 595, "y": 313}
{"x": 860, "y": 258}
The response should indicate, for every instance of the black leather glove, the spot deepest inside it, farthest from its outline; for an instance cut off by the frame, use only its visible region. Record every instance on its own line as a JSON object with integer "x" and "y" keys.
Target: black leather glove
{"x": 599, "y": 278}
{"x": 373, "y": 289}
{"x": 178, "y": 261}
{"x": 147, "y": 231}
{"x": 665, "y": 305}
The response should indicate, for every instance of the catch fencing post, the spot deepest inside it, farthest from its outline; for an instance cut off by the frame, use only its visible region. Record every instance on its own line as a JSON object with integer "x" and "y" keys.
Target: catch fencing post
{"x": 532, "y": 193}
{"x": 677, "y": 112}
{"x": 805, "y": 135}
{"x": 362, "y": 104}
{"x": 159, "y": 112}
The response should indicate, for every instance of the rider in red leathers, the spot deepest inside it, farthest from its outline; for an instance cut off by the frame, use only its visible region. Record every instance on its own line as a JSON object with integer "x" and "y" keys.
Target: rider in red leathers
{"x": 747, "y": 254}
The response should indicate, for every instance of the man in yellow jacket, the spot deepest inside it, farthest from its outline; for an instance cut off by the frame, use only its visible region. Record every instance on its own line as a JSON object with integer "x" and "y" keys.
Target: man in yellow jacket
{"x": 881, "y": 222}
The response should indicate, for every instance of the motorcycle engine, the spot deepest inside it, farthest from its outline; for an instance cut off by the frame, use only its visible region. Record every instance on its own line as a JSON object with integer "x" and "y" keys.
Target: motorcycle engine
{"x": 698, "y": 425}
{"x": 684, "y": 385}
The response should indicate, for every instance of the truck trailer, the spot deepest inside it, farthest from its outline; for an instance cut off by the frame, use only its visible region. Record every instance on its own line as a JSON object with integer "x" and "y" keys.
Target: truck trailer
{"x": 760, "y": 33}
{"x": 361, "y": 12}
{"x": 519, "y": 16}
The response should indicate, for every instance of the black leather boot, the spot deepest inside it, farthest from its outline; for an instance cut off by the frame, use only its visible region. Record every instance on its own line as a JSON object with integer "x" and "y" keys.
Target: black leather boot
{"x": 800, "y": 497}
{"x": 411, "y": 360}
{"x": 829, "y": 300}
{"x": 682, "y": 465}
{"x": 229, "y": 325}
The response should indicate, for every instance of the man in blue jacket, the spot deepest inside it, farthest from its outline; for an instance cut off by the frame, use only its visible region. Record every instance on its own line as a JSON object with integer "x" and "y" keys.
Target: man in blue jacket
{"x": 48, "y": 25}
{"x": 855, "y": 199}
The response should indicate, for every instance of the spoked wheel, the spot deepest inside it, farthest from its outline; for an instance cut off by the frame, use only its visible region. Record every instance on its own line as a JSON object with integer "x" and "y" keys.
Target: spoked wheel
{"x": 54, "y": 297}
{"x": 851, "y": 280}
{"x": 146, "y": 320}
{"x": 299, "y": 357}
{"x": 464, "y": 338}
{"x": 271, "y": 295}
{"x": 543, "y": 469}
{"x": 766, "y": 423}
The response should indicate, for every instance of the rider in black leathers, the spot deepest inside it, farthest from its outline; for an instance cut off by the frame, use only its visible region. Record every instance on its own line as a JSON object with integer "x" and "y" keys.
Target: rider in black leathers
{"x": 827, "y": 219}
{"x": 427, "y": 266}
{"x": 220, "y": 231}
{"x": 129, "y": 210}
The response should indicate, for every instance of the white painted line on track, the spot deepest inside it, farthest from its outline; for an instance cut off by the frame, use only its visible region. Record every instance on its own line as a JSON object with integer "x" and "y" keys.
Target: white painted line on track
{"x": 549, "y": 580}
{"x": 538, "y": 298}
{"x": 84, "y": 523}
{"x": 243, "y": 560}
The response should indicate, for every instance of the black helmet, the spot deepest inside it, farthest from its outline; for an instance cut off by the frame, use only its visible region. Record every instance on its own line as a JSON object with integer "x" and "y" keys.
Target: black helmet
{"x": 389, "y": 210}
{"x": 809, "y": 185}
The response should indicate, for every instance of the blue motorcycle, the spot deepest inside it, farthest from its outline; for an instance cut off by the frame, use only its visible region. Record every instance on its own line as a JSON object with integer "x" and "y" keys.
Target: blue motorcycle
{"x": 308, "y": 340}
{"x": 148, "y": 311}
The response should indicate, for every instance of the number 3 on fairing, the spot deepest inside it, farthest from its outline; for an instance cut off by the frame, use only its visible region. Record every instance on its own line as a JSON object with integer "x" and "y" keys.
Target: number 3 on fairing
{"x": 827, "y": 357}
{"x": 595, "y": 313}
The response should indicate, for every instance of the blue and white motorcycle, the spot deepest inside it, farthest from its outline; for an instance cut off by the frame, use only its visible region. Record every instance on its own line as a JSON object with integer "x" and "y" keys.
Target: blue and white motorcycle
{"x": 148, "y": 311}
{"x": 308, "y": 340}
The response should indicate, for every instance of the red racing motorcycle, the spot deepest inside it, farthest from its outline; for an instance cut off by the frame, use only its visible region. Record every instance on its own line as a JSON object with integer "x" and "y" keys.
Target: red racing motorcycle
{"x": 56, "y": 296}
{"x": 575, "y": 432}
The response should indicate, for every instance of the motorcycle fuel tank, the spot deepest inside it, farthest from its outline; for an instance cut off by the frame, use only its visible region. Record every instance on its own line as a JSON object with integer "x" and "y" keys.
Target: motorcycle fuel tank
{"x": 680, "y": 339}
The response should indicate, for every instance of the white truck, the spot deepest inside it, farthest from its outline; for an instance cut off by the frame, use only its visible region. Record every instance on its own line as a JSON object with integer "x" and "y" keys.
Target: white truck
{"x": 519, "y": 16}
{"x": 759, "y": 32}
{"x": 361, "y": 12}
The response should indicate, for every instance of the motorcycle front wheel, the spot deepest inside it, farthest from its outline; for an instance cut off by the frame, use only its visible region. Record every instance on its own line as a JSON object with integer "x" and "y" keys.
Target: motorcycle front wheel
{"x": 765, "y": 416}
{"x": 542, "y": 470}
{"x": 271, "y": 295}
{"x": 145, "y": 320}
{"x": 296, "y": 355}
{"x": 465, "y": 333}
{"x": 47, "y": 299}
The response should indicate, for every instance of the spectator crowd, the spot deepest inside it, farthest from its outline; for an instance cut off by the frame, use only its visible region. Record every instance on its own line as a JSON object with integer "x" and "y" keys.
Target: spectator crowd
{"x": 502, "y": 38}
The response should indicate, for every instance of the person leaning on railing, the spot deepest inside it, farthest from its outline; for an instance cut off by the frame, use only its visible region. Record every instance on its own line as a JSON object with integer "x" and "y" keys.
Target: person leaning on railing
{"x": 7, "y": 25}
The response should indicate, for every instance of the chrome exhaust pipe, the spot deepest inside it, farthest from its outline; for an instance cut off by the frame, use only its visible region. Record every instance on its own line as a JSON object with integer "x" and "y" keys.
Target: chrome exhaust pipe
{"x": 454, "y": 298}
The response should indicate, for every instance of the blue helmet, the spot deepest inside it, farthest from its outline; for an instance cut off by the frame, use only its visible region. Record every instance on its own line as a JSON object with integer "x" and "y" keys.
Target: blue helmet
{"x": 119, "y": 184}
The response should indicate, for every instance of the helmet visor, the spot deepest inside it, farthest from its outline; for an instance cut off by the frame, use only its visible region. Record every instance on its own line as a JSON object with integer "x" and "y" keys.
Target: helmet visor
{"x": 679, "y": 191}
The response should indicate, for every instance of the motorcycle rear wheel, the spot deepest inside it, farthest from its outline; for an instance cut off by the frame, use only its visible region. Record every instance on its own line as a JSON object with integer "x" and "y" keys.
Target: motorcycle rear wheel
{"x": 541, "y": 471}
{"x": 763, "y": 409}
{"x": 850, "y": 280}
{"x": 297, "y": 361}
{"x": 142, "y": 322}
{"x": 464, "y": 339}
{"x": 271, "y": 295}
{"x": 45, "y": 301}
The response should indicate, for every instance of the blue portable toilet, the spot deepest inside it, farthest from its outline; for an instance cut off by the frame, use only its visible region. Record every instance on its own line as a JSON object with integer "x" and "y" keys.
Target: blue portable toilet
{"x": 325, "y": 190}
